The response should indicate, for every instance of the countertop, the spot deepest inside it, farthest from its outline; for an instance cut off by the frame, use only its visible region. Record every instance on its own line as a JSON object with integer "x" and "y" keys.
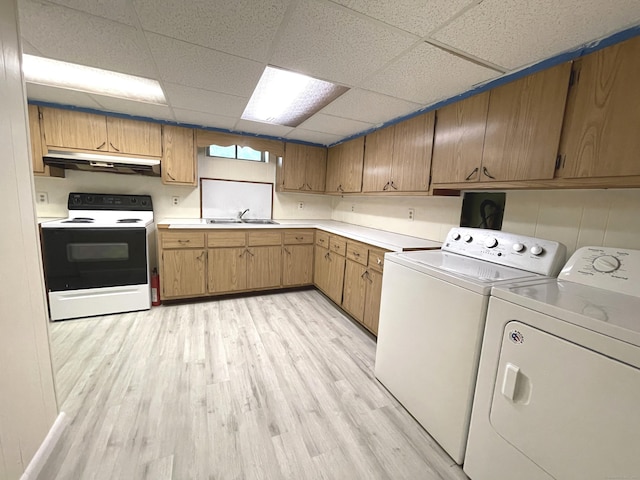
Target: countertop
{"x": 379, "y": 238}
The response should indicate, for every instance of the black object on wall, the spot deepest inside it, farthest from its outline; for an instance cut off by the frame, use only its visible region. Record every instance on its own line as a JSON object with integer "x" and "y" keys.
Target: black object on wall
{"x": 483, "y": 210}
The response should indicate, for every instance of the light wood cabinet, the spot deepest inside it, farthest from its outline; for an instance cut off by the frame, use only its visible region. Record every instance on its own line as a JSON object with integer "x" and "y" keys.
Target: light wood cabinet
{"x": 179, "y": 160}
{"x": 344, "y": 167}
{"x": 398, "y": 158}
{"x": 355, "y": 289}
{"x": 38, "y": 148}
{"x": 227, "y": 270}
{"x": 264, "y": 267}
{"x": 328, "y": 273}
{"x": 372, "y": 300}
{"x": 600, "y": 134}
{"x": 302, "y": 169}
{"x": 183, "y": 273}
{"x": 297, "y": 266}
{"x": 134, "y": 137}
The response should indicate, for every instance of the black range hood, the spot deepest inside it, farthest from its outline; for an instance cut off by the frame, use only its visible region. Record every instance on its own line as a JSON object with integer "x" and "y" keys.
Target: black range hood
{"x": 96, "y": 162}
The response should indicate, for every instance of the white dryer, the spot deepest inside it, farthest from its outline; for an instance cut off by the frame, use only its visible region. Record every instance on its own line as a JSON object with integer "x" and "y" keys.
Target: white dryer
{"x": 432, "y": 317}
{"x": 558, "y": 391}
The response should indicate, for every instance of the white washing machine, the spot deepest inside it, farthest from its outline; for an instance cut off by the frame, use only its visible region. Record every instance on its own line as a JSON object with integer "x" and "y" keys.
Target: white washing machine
{"x": 558, "y": 394}
{"x": 432, "y": 317}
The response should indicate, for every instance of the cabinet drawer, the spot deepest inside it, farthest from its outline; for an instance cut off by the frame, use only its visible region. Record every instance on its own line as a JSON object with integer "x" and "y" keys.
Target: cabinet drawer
{"x": 227, "y": 238}
{"x": 294, "y": 237}
{"x": 322, "y": 239}
{"x": 264, "y": 238}
{"x": 357, "y": 252}
{"x": 338, "y": 245}
{"x": 376, "y": 259}
{"x": 182, "y": 239}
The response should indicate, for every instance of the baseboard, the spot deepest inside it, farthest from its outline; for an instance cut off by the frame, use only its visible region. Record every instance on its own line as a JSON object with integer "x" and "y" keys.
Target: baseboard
{"x": 41, "y": 457}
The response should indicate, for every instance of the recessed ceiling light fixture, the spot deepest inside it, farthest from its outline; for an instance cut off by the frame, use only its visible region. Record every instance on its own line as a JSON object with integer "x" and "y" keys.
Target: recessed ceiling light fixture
{"x": 288, "y": 98}
{"x": 54, "y": 73}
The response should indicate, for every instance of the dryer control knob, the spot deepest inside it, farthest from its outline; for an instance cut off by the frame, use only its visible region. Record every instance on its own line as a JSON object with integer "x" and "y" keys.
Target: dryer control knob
{"x": 456, "y": 236}
{"x": 518, "y": 247}
{"x": 468, "y": 238}
{"x": 537, "y": 250}
{"x": 606, "y": 264}
{"x": 490, "y": 242}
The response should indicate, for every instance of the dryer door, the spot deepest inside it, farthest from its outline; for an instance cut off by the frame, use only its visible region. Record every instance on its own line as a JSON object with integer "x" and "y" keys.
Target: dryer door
{"x": 572, "y": 411}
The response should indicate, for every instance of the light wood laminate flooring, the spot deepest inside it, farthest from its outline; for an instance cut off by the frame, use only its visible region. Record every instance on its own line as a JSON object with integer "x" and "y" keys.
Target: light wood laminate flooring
{"x": 276, "y": 386}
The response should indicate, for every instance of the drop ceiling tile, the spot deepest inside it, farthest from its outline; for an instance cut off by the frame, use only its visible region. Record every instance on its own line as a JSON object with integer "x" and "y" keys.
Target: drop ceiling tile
{"x": 65, "y": 34}
{"x": 205, "y": 101}
{"x": 414, "y": 16}
{"x": 262, "y": 128}
{"x": 204, "y": 119}
{"x": 314, "y": 137}
{"x": 369, "y": 107}
{"x": 427, "y": 74}
{"x": 243, "y": 27}
{"x": 139, "y": 109}
{"x": 60, "y": 96}
{"x": 333, "y": 43}
{"x": 199, "y": 67}
{"x": 515, "y": 33}
{"x": 118, "y": 10}
{"x": 335, "y": 125}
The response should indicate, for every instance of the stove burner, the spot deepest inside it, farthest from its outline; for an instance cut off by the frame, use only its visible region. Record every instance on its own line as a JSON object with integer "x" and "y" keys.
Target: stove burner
{"x": 79, "y": 220}
{"x": 129, "y": 220}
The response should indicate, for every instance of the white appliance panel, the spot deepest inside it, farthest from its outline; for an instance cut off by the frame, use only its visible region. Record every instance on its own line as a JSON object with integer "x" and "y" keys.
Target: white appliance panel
{"x": 99, "y": 301}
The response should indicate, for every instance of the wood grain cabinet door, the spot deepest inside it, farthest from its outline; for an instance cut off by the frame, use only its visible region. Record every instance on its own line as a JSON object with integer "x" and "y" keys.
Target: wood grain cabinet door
{"x": 344, "y": 167}
{"x": 183, "y": 273}
{"x": 459, "y": 140}
{"x": 335, "y": 267}
{"x": 372, "y": 300}
{"x": 134, "y": 137}
{"x": 294, "y": 166}
{"x": 601, "y": 137}
{"x": 71, "y": 129}
{"x": 179, "y": 156}
{"x": 523, "y": 126}
{"x": 227, "y": 269}
{"x": 37, "y": 149}
{"x": 316, "y": 169}
{"x": 321, "y": 268}
{"x": 376, "y": 174}
{"x": 412, "y": 146}
{"x": 297, "y": 265}
{"x": 264, "y": 267}
{"x": 355, "y": 288}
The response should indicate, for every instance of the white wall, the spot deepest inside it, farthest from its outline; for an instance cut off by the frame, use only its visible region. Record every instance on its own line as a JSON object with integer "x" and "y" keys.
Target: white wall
{"x": 27, "y": 396}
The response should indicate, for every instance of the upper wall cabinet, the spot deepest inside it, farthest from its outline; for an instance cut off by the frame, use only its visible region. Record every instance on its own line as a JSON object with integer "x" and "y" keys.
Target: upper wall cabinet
{"x": 38, "y": 148}
{"x": 344, "y": 167}
{"x": 600, "y": 135}
{"x": 510, "y": 133}
{"x": 86, "y": 131}
{"x": 179, "y": 161}
{"x": 398, "y": 158}
{"x": 302, "y": 169}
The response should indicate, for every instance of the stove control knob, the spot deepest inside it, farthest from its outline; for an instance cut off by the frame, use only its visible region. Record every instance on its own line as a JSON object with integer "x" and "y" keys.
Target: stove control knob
{"x": 537, "y": 250}
{"x": 518, "y": 247}
{"x": 133, "y": 200}
{"x": 491, "y": 242}
{"x": 90, "y": 199}
{"x": 468, "y": 238}
{"x": 606, "y": 264}
{"x": 456, "y": 236}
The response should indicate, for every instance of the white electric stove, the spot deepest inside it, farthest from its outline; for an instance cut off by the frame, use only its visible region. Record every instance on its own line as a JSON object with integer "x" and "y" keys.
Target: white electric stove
{"x": 96, "y": 261}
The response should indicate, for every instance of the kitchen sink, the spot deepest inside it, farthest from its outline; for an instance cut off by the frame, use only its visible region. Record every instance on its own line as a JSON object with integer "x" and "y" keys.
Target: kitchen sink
{"x": 259, "y": 221}
{"x": 262, "y": 221}
{"x": 223, "y": 220}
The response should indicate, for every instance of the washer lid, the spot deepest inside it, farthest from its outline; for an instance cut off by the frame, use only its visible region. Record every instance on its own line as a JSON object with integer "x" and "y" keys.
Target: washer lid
{"x": 609, "y": 313}
{"x": 470, "y": 273}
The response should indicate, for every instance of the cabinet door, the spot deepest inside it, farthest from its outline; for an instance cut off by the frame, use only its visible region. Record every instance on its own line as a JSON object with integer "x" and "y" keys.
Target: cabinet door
{"x": 36, "y": 141}
{"x": 264, "y": 266}
{"x": 321, "y": 268}
{"x": 227, "y": 268}
{"x": 344, "y": 167}
{"x": 376, "y": 174}
{"x": 372, "y": 300}
{"x": 316, "y": 169}
{"x": 297, "y": 265}
{"x": 334, "y": 169}
{"x": 294, "y": 165}
{"x": 600, "y": 135}
{"x": 134, "y": 137}
{"x": 459, "y": 140}
{"x": 179, "y": 156}
{"x": 183, "y": 273}
{"x": 412, "y": 145}
{"x": 523, "y": 126}
{"x": 335, "y": 266}
{"x": 355, "y": 288}
{"x": 71, "y": 129}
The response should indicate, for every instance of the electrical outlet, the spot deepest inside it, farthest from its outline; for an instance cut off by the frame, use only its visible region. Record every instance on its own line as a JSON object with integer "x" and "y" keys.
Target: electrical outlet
{"x": 300, "y": 205}
{"x": 353, "y": 207}
{"x": 42, "y": 197}
{"x": 412, "y": 213}
{"x": 175, "y": 201}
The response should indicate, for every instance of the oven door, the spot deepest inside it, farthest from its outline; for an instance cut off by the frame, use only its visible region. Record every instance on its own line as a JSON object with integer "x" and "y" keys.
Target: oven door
{"x": 79, "y": 258}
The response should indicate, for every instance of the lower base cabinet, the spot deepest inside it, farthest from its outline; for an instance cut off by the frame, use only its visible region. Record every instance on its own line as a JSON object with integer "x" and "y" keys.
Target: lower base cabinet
{"x": 227, "y": 268}
{"x": 297, "y": 265}
{"x": 263, "y": 267}
{"x": 183, "y": 272}
{"x": 372, "y": 300}
{"x": 329, "y": 273}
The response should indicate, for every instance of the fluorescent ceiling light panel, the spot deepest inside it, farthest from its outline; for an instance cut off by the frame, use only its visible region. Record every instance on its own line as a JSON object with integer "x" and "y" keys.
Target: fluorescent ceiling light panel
{"x": 288, "y": 98}
{"x": 55, "y": 73}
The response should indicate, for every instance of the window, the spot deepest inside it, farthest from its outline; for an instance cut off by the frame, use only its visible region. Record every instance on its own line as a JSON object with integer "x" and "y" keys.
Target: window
{"x": 237, "y": 152}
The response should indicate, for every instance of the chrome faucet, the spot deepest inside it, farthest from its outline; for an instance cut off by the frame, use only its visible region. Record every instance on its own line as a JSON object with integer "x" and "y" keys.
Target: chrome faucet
{"x": 240, "y": 214}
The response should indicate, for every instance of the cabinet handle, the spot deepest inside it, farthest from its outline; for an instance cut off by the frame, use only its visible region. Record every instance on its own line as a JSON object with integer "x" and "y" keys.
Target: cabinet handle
{"x": 365, "y": 273}
{"x": 249, "y": 252}
{"x": 328, "y": 256}
{"x": 340, "y": 189}
{"x": 475, "y": 170}
{"x": 101, "y": 145}
{"x": 183, "y": 242}
{"x": 308, "y": 186}
{"x": 299, "y": 239}
{"x": 321, "y": 240}
{"x": 170, "y": 176}
{"x": 201, "y": 255}
{"x": 386, "y": 186}
{"x": 486, "y": 172}
{"x": 301, "y": 187}
{"x": 356, "y": 254}
{"x": 114, "y": 147}
{"x": 287, "y": 251}
{"x": 393, "y": 185}
{"x": 378, "y": 261}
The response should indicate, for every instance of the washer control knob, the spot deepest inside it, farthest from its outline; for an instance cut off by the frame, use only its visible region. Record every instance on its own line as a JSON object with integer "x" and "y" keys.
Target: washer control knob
{"x": 491, "y": 242}
{"x": 456, "y": 236}
{"x": 606, "y": 264}
{"x": 518, "y": 247}
{"x": 468, "y": 238}
{"x": 537, "y": 250}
